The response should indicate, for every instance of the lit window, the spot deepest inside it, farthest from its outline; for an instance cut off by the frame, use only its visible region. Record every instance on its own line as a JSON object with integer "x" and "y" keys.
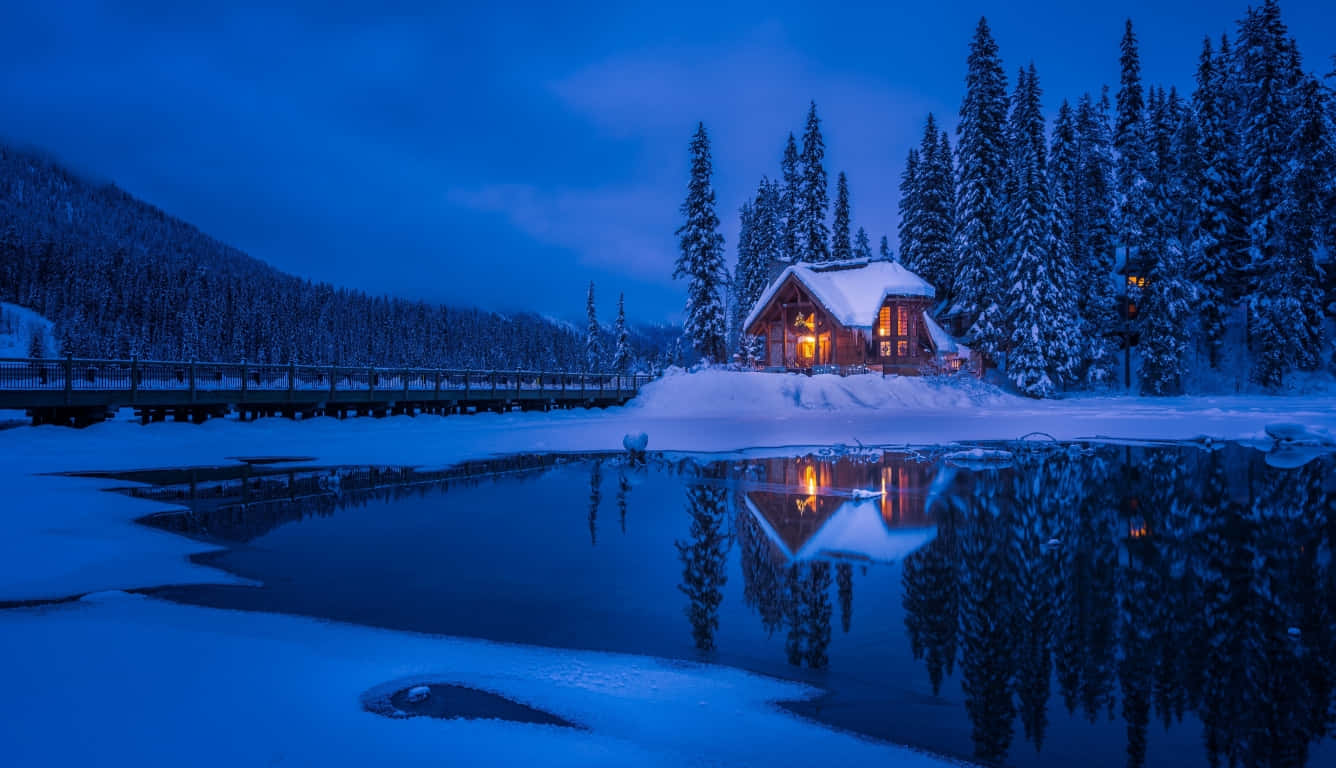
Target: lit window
{"x": 902, "y": 321}
{"x": 902, "y": 348}
{"x": 1136, "y": 281}
{"x": 884, "y": 322}
{"x": 886, "y": 349}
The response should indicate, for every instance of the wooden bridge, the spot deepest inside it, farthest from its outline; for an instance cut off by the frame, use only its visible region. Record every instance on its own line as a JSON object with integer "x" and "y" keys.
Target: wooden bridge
{"x": 80, "y": 392}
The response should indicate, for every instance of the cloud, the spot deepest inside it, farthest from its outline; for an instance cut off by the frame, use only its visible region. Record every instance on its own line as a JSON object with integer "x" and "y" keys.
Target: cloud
{"x": 622, "y": 229}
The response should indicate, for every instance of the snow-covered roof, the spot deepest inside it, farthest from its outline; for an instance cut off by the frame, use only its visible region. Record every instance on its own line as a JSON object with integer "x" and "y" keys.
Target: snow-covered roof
{"x": 942, "y": 341}
{"x": 851, "y": 291}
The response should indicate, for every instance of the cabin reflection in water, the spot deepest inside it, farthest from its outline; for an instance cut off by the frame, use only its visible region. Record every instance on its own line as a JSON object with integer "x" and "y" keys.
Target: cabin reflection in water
{"x": 812, "y": 509}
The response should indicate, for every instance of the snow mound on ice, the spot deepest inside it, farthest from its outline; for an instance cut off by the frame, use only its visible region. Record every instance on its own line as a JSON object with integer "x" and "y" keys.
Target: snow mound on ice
{"x": 745, "y": 393}
{"x": 17, "y": 326}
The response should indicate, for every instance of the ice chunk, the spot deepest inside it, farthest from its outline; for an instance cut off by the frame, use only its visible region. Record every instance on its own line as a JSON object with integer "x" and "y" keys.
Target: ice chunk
{"x": 860, "y": 493}
{"x": 419, "y": 693}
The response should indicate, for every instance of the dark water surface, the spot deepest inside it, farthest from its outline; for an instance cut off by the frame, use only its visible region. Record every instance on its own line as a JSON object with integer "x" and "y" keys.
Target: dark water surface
{"x": 1076, "y": 605}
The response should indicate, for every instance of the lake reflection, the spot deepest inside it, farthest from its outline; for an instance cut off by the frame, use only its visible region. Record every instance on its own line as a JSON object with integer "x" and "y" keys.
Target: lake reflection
{"x": 1106, "y": 605}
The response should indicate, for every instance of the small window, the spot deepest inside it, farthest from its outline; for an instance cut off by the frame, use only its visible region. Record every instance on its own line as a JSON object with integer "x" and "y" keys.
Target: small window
{"x": 886, "y": 349}
{"x": 902, "y": 348}
{"x": 1136, "y": 281}
{"x": 902, "y": 321}
{"x": 884, "y": 322}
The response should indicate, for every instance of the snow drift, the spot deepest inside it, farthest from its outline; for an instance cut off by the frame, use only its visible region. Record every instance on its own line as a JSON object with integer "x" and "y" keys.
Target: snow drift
{"x": 743, "y": 393}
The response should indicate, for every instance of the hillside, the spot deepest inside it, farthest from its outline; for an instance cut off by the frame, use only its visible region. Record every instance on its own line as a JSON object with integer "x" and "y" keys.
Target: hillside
{"x": 119, "y": 277}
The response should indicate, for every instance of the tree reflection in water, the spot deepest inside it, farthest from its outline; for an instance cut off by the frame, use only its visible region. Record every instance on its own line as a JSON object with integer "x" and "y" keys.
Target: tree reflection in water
{"x": 704, "y": 557}
{"x": 1153, "y": 582}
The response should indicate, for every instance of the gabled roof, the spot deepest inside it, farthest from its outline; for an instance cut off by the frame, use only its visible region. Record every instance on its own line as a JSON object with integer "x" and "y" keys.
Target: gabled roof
{"x": 851, "y": 291}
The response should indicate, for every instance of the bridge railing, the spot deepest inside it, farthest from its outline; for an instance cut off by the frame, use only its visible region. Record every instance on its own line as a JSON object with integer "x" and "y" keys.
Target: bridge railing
{"x": 18, "y": 374}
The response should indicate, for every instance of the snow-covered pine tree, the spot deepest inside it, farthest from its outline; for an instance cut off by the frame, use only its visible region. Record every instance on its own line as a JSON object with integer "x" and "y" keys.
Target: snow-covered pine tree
{"x": 1131, "y": 142}
{"x": 862, "y": 245}
{"x": 1167, "y": 320}
{"x": 885, "y": 250}
{"x": 909, "y": 210}
{"x": 701, "y": 260}
{"x": 768, "y": 225}
{"x": 746, "y": 259}
{"x": 752, "y": 270}
{"x": 1213, "y": 190}
{"x": 841, "y": 247}
{"x": 791, "y": 202}
{"x": 1064, "y": 201}
{"x": 1265, "y": 72}
{"x": 980, "y": 154}
{"x": 621, "y": 356}
{"x": 935, "y": 215}
{"x": 593, "y": 335}
{"x": 1310, "y": 197}
{"x": 813, "y": 234}
{"x": 1094, "y": 228}
{"x": 1041, "y": 337}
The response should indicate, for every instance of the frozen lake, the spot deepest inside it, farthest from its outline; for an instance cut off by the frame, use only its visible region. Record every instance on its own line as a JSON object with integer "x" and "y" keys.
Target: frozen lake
{"x": 1060, "y": 605}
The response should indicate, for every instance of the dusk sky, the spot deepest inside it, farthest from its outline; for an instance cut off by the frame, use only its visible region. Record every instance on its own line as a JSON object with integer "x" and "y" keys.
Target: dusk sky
{"x": 462, "y": 153}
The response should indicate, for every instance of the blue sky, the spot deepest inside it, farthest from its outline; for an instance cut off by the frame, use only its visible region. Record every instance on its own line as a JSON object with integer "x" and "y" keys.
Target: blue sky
{"x": 503, "y": 157}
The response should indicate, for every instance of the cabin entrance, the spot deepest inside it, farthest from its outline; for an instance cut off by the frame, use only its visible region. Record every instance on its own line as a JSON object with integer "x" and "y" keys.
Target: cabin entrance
{"x": 811, "y": 349}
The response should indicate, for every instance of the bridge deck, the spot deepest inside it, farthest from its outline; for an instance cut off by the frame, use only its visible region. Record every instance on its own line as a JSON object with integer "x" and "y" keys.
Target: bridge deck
{"x": 59, "y": 391}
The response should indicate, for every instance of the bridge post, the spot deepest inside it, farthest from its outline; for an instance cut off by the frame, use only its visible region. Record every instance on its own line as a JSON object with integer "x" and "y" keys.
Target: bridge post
{"x": 292, "y": 378}
{"x": 134, "y": 379}
{"x": 242, "y": 399}
{"x": 192, "y": 380}
{"x": 370, "y": 385}
{"x": 333, "y": 390}
{"x": 466, "y": 385}
{"x": 438, "y": 385}
{"x": 69, "y": 378}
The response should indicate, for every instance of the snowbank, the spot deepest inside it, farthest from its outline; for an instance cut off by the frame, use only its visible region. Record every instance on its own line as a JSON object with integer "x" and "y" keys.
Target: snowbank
{"x": 152, "y": 683}
{"x": 17, "y": 326}
{"x": 737, "y": 394}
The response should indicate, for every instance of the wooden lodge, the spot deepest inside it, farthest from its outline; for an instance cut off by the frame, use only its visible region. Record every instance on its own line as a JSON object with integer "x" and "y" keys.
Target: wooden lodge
{"x": 852, "y": 316}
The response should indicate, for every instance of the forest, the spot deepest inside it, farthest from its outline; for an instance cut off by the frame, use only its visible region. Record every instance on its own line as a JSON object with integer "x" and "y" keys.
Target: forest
{"x": 1196, "y": 230}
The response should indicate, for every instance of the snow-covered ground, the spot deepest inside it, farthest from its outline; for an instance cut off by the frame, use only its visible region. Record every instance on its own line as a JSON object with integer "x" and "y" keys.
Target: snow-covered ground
{"x": 147, "y": 678}
{"x": 17, "y": 328}
{"x": 134, "y": 680}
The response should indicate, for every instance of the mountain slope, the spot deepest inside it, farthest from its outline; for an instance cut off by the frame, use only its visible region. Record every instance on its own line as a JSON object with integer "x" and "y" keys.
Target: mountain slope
{"x": 119, "y": 277}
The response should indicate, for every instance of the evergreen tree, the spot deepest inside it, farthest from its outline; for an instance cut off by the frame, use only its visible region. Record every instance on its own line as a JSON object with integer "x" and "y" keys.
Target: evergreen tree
{"x": 862, "y": 245}
{"x": 980, "y": 154}
{"x": 1166, "y": 325}
{"x": 750, "y": 274}
{"x": 791, "y": 202}
{"x": 768, "y": 225}
{"x": 841, "y": 248}
{"x": 909, "y": 210}
{"x": 1309, "y": 211}
{"x": 1040, "y": 333}
{"x": 1265, "y": 72}
{"x": 1095, "y": 238}
{"x": 593, "y": 334}
{"x": 701, "y": 260}
{"x": 813, "y": 235}
{"x": 1064, "y": 199}
{"x": 746, "y": 256}
{"x": 621, "y": 357}
{"x": 1131, "y": 142}
{"x": 885, "y": 250}
{"x": 1210, "y": 262}
{"x": 935, "y": 198}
